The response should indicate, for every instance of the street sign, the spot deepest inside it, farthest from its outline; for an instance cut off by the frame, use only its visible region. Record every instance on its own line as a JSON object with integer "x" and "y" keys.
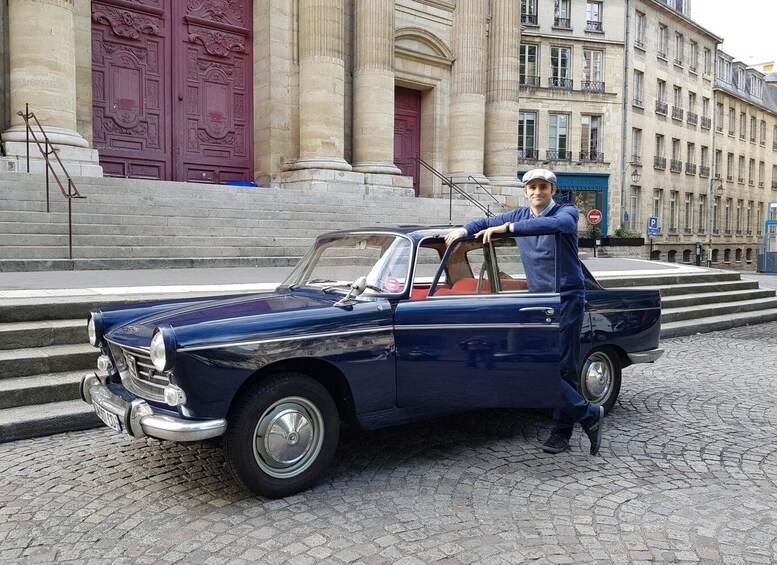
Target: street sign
{"x": 652, "y": 227}
{"x": 594, "y": 216}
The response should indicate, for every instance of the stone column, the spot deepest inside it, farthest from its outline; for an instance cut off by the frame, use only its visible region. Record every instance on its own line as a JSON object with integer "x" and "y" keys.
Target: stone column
{"x": 501, "y": 128}
{"x": 322, "y": 85}
{"x": 467, "y": 101}
{"x": 43, "y": 75}
{"x": 373, "y": 88}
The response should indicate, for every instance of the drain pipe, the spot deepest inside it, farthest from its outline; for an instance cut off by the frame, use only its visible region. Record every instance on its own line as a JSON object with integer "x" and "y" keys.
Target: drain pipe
{"x": 625, "y": 128}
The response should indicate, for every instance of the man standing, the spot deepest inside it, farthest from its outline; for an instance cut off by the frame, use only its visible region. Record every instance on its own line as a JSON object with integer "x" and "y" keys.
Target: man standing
{"x": 541, "y": 258}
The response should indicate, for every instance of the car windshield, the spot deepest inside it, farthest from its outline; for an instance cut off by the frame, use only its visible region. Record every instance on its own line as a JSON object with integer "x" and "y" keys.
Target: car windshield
{"x": 336, "y": 261}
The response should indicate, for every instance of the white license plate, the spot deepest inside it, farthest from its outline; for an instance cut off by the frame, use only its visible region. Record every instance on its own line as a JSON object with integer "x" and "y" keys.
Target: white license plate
{"x": 110, "y": 420}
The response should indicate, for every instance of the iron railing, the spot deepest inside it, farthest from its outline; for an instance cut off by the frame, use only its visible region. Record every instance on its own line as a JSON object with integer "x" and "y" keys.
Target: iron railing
{"x": 47, "y": 149}
{"x": 592, "y": 86}
{"x": 693, "y": 118}
{"x": 559, "y": 155}
{"x": 677, "y": 113}
{"x": 592, "y": 156}
{"x": 706, "y": 123}
{"x": 559, "y": 82}
{"x": 529, "y": 19}
{"x": 661, "y": 107}
{"x": 659, "y": 162}
{"x": 593, "y": 25}
{"x": 675, "y": 165}
{"x": 529, "y": 154}
{"x": 565, "y": 23}
{"x": 529, "y": 81}
{"x": 452, "y": 186}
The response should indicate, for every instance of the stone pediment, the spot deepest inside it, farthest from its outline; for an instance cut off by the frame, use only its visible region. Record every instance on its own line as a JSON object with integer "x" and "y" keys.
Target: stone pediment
{"x": 420, "y": 44}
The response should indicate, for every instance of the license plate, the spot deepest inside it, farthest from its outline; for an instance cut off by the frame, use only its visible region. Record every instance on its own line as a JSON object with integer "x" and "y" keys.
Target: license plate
{"x": 110, "y": 420}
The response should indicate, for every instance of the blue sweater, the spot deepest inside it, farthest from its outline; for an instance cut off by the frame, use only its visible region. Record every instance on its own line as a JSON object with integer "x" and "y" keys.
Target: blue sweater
{"x": 538, "y": 251}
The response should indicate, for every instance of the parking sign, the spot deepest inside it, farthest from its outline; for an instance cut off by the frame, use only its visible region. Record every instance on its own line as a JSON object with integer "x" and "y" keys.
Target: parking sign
{"x": 652, "y": 227}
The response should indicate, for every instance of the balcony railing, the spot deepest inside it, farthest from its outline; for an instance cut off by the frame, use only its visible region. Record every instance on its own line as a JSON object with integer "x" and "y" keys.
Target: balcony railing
{"x": 638, "y": 103}
{"x": 706, "y": 123}
{"x": 558, "y": 82}
{"x": 675, "y": 165}
{"x": 690, "y": 168}
{"x": 592, "y": 86}
{"x": 760, "y": 184}
{"x": 659, "y": 163}
{"x": 704, "y": 171}
{"x": 661, "y": 107}
{"x": 751, "y": 182}
{"x": 719, "y": 128}
{"x": 741, "y": 180}
{"x": 592, "y": 156}
{"x": 529, "y": 81}
{"x": 566, "y": 23}
{"x": 529, "y": 19}
{"x": 592, "y": 25}
{"x": 692, "y": 118}
{"x": 677, "y": 113}
{"x": 638, "y": 43}
{"x": 774, "y": 145}
{"x": 559, "y": 155}
{"x": 661, "y": 54}
{"x": 774, "y": 184}
{"x": 678, "y": 62}
{"x": 692, "y": 67}
{"x": 730, "y": 178}
{"x": 636, "y": 160}
{"x": 530, "y": 154}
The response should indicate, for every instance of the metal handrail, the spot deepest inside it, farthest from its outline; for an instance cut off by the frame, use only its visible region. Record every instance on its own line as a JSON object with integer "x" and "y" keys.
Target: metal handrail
{"x": 484, "y": 189}
{"x": 46, "y": 150}
{"x": 452, "y": 186}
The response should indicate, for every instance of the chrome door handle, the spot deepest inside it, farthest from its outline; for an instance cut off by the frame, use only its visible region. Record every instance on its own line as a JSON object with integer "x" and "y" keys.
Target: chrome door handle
{"x": 544, "y": 310}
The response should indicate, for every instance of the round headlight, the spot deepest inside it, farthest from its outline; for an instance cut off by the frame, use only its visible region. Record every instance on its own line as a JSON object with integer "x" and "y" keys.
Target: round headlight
{"x": 163, "y": 349}
{"x": 95, "y": 329}
{"x": 158, "y": 353}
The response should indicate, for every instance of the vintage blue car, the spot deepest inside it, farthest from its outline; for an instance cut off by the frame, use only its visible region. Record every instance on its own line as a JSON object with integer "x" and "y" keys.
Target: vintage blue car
{"x": 375, "y": 326}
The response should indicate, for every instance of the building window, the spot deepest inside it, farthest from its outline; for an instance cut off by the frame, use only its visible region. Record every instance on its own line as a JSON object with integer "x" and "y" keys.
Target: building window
{"x": 702, "y": 213}
{"x": 707, "y": 61}
{"x": 659, "y": 160}
{"x": 716, "y": 215}
{"x": 529, "y": 12}
{"x": 727, "y": 217}
{"x": 704, "y": 163}
{"x": 732, "y": 113}
{"x": 761, "y": 173}
{"x": 690, "y": 161}
{"x": 527, "y": 66}
{"x": 741, "y": 170}
{"x": 774, "y": 139}
{"x": 753, "y": 123}
{"x": 751, "y": 172}
{"x": 677, "y": 103}
{"x": 693, "y": 57}
{"x": 673, "y": 195}
{"x": 639, "y": 88}
{"x": 559, "y": 67}
{"x": 679, "y": 48}
{"x": 688, "y": 214}
{"x": 639, "y": 30}
{"x": 590, "y": 139}
{"x": 676, "y": 164}
{"x": 762, "y": 139}
{"x": 592, "y": 70}
{"x": 742, "y": 125}
{"x": 635, "y": 220}
{"x": 739, "y": 217}
{"x": 719, "y": 118}
{"x": 749, "y": 218}
{"x": 730, "y": 167}
{"x": 593, "y": 15}
{"x": 661, "y": 104}
{"x": 558, "y": 137}
{"x": 636, "y": 146}
{"x": 561, "y": 14}
{"x": 527, "y": 135}
{"x": 663, "y": 41}
{"x": 658, "y": 205}
{"x": 759, "y": 218}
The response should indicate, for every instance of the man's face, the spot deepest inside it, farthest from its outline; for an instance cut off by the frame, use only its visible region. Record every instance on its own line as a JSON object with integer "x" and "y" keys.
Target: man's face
{"x": 539, "y": 193}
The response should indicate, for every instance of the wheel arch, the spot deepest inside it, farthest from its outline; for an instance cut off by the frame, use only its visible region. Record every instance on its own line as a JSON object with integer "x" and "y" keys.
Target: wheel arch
{"x": 325, "y": 373}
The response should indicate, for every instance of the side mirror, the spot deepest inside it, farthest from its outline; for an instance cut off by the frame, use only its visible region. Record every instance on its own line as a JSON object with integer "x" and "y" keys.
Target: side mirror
{"x": 357, "y": 287}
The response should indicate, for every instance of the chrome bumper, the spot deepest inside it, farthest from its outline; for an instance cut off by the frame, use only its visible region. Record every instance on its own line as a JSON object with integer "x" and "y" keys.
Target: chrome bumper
{"x": 645, "y": 356}
{"x": 137, "y": 418}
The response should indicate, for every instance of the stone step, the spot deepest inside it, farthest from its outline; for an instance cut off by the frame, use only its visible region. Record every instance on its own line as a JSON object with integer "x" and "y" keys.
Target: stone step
{"x": 50, "y": 359}
{"x": 715, "y": 323}
{"x": 24, "y": 422}
{"x": 53, "y": 264}
{"x": 130, "y": 251}
{"x": 703, "y": 298}
{"x": 648, "y": 281}
{"x": 704, "y": 311}
{"x": 149, "y": 241}
{"x": 40, "y": 389}
{"x": 717, "y": 286}
{"x": 42, "y": 333}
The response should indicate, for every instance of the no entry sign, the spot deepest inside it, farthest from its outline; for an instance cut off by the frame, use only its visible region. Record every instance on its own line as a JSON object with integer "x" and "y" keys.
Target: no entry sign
{"x": 594, "y": 216}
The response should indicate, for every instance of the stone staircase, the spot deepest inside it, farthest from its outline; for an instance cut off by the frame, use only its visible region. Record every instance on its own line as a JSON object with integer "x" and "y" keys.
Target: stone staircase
{"x": 136, "y": 224}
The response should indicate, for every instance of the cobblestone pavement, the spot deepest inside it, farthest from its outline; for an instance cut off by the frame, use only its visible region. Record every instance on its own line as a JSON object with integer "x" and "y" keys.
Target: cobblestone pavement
{"x": 687, "y": 473}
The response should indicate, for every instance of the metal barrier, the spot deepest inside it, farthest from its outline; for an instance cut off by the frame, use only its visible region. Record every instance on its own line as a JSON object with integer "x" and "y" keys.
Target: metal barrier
{"x": 47, "y": 149}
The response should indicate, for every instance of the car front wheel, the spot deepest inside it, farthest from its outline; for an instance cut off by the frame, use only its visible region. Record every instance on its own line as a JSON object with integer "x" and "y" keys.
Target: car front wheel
{"x": 600, "y": 378}
{"x": 282, "y": 435}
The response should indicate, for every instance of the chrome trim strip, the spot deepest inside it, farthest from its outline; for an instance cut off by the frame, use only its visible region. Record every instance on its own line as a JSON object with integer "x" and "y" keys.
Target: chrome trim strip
{"x": 645, "y": 356}
{"x": 477, "y": 326}
{"x": 144, "y": 350}
{"x": 287, "y": 338}
{"x": 621, "y": 311}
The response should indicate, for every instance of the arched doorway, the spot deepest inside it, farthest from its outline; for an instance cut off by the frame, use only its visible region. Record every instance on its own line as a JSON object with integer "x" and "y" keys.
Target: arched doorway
{"x": 172, "y": 89}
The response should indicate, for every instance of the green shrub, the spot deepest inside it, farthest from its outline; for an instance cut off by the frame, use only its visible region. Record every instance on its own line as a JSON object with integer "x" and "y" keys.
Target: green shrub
{"x": 623, "y": 232}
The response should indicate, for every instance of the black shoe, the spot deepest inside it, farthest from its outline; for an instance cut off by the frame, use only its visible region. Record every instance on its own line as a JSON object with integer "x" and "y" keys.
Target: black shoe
{"x": 556, "y": 443}
{"x": 594, "y": 432}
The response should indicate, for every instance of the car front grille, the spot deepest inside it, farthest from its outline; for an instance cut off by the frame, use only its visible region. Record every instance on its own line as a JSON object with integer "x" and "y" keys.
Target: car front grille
{"x": 138, "y": 373}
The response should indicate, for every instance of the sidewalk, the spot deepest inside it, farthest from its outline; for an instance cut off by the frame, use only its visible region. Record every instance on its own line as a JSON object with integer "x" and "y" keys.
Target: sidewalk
{"x": 52, "y": 284}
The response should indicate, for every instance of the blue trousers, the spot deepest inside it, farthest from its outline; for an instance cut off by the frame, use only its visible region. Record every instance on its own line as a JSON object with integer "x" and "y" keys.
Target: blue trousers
{"x": 574, "y": 408}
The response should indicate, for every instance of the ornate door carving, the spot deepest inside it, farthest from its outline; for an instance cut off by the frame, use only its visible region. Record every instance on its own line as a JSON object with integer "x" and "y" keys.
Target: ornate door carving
{"x": 172, "y": 88}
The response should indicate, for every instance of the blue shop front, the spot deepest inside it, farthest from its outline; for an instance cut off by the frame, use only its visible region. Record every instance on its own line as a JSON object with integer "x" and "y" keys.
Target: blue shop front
{"x": 587, "y": 191}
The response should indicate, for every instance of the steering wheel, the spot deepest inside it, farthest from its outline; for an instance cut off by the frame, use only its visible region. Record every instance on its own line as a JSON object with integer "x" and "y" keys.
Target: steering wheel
{"x": 481, "y": 276}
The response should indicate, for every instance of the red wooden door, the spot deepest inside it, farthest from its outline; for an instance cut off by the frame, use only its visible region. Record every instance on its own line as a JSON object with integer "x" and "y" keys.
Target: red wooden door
{"x": 407, "y": 133}
{"x": 172, "y": 89}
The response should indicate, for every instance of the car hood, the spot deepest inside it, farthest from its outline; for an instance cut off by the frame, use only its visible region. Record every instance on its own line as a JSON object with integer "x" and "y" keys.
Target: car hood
{"x": 250, "y": 317}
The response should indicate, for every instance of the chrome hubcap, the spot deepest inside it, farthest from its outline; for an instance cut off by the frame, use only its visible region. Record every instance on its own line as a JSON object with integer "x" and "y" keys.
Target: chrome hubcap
{"x": 597, "y": 378}
{"x": 288, "y": 437}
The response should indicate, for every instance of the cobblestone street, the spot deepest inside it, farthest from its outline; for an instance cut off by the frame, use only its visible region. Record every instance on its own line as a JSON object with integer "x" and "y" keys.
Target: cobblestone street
{"x": 687, "y": 473}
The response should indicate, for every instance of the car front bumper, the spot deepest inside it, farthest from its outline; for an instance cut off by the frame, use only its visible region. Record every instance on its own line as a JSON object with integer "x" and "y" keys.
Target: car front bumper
{"x": 138, "y": 419}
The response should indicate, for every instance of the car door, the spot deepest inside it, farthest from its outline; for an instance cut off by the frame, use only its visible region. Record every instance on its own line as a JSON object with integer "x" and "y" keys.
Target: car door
{"x": 481, "y": 338}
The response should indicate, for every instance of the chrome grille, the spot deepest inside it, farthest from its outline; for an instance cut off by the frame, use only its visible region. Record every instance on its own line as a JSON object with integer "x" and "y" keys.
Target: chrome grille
{"x": 144, "y": 380}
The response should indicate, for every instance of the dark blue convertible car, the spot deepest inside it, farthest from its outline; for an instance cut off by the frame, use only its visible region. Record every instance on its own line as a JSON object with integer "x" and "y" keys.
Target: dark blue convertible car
{"x": 376, "y": 326}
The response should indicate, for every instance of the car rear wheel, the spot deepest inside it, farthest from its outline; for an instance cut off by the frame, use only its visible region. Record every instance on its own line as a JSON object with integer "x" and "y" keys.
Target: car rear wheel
{"x": 282, "y": 435}
{"x": 600, "y": 378}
